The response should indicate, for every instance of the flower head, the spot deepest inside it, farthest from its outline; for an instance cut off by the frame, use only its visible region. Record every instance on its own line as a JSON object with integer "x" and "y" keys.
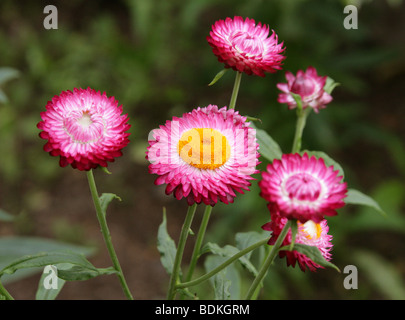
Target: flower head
{"x": 309, "y": 86}
{"x": 309, "y": 233}
{"x": 246, "y": 47}
{"x": 84, "y": 128}
{"x": 204, "y": 156}
{"x": 302, "y": 188}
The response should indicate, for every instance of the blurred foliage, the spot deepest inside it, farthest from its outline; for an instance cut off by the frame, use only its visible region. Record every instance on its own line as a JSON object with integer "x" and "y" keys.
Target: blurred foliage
{"x": 153, "y": 57}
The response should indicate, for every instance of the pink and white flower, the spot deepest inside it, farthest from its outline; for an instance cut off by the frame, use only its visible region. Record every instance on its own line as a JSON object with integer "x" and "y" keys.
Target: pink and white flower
{"x": 205, "y": 155}
{"x": 302, "y": 188}
{"x": 309, "y": 86}
{"x": 84, "y": 128}
{"x": 309, "y": 233}
{"x": 246, "y": 47}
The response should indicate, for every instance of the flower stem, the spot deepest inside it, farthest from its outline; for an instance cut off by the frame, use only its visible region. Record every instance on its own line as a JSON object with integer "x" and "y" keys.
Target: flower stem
{"x": 235, "y": 90}
{"x": 198, "y": 242}
{"x": 5, "y": 293}
{"x": 269, "y": 260}
{"x": 106, "y": 234}
{"x": 221, "y": 266}
{"x": 302, "y": 115}
{"x": 180, "y": 250}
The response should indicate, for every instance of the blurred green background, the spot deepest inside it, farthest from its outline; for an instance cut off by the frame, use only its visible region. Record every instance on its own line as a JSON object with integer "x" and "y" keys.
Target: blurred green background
{"x": 152, "y": 55}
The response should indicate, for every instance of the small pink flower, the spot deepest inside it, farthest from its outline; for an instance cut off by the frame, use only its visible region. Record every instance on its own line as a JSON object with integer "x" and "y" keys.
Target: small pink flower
{"x": 246, "y": 47}
{"x": 204, "y": 156}
{"x": 302, "y": 188}
{"x": 309, "y": 233}
{"x": 309, "y": 86}
{"x": 84, "y": 128}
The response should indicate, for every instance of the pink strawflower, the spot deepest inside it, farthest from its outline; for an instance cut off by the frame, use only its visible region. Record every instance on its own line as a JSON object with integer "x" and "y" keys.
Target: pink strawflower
{"x": 309, "y": 86}
{"x": 309, "y": 233}
{"x": 84, "y": 128}
{"x": 302, "y": 188}
{"x": 205, "y": 155}
{"x": 246, "y": 47}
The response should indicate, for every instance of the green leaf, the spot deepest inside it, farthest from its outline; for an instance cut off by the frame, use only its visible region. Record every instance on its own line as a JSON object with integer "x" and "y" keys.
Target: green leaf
{"x": 166, "y": 246}
{"x": 44, "y": 293}
{"x": 229, "y": 251}
{"x": 7, "y": 74}
{"x": 105, "y": 200}
{"x": 312, "y": 253}
{"x": 218, "y": 76}
{"x": 80, "y": 273}
{"x": 47, "y": 258}
{"x": 226, "y": 283}
{"x": 359, "y": 198}
{"x": 13, "y": 248}
{"x": 246, "y": 239}
{"x": 330, "y": 85}
{"x": 298, "y": 100}
{"x": 5, "y": 216}
{"x": 327, "y": 159}
{"x": 66, "y": 272}
{"x": 383, "y": 274}
{"x": 294, "y": 231}
{"x": 268, "y": 147}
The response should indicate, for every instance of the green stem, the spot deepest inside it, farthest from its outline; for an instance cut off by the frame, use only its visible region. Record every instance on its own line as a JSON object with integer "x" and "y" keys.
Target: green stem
{"x": 198, "y": 242}
{"x": 221, "y": 266}
{"x": 5, "y": 293}
{"x": 180, "y": 250}
{"x": 106, "y": 234}
{"x": 235, "y": 90}
{"x": 302, "y": 115}
{"x": 269, "y": 260}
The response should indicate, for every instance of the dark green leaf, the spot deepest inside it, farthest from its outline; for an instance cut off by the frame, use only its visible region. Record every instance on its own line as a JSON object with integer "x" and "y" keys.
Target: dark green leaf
{"x": 226, "y": 283}
{"x": 327, "y": 159}
{"x": 359, "y": 198}
{"x": 44, "y": 259}
{"x": 166, "y": 246}
{"x": 80, "y": 273}
{"x": 13, "y": 248}
{"x": 312, "y": 253}
{"x": 229, "y": 251}
{"x": 268, "y": 147}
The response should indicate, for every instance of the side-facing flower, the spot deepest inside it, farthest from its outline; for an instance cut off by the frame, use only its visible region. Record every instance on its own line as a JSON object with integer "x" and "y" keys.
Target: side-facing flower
{"x": 309, "y": 86}
{"x": 246, "y": 47}
{"x": 84, "y": 128}
{"x": 302, "y": 188}
{"x": 309, "y": 233}
{"x": 205, "y": 155}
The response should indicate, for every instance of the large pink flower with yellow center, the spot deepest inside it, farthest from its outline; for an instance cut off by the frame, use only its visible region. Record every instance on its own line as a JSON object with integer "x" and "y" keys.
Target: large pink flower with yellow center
{"x": 309, "y": 86}
{"x": 302, "y": 187}
{"x": 309, "y": 233}
{"x": 246, "y": 47}
{"x": 205, "y": 155}
{"x": 84, "y": 128}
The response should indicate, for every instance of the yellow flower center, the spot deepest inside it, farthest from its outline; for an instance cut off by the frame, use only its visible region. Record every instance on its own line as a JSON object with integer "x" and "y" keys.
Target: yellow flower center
{"x": 204, "y": 148}
{"x": 311, "y": 229}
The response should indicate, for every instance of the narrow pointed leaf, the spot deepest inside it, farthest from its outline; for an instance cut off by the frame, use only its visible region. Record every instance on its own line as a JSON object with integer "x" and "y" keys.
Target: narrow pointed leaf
{"x": 217, "y": 77}
{"x": 358, "y": 198}
{"x": 166, "y": 246}
{"x": 313, "y": 253}
{"x": 268, "y": 147}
